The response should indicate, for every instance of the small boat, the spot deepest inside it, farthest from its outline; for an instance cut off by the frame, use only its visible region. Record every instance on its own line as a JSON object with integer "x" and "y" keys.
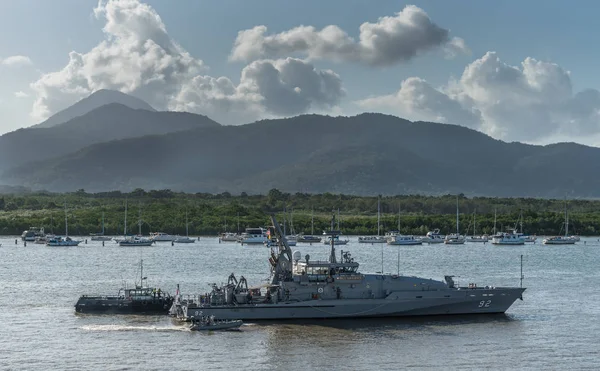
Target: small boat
{"x": 434, "y": 237}
{"x": 404, "y": 240}
{"x": 558, "y": 240}
{"x": 475, "y": 238}
{"x": 209, "y": 323}
{"x": 336, "y": 241}
{"x": 575, "y": 238}
{"x": 60, "y": 241}
{"x": 229, "y": 237}
{"x": 378, "y": 238}
{"x": 186, "y": 239}
{"x": 372, "y": 239}
{"x": 254, "y": 236}
{"x": 32, "y": 233}
{"x": 308, "y": 238}
{"x": 100, "y": 236}
{"x": 136, "y": 241}
{"x": 508, "y": 238}
{"x": 455, "y": 238}
{"x": 139, "y": 299}
{"x": 162, "y": 237}
{"x": 292, "y": 240}
{"x": 562, "y": 240}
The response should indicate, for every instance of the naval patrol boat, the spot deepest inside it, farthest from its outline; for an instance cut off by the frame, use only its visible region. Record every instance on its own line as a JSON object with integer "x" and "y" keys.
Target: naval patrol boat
{"x": 311, "y": 289}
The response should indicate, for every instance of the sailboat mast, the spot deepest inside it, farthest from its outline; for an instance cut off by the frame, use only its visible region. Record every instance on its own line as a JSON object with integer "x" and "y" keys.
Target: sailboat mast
{"x": 66, "y": 222}
{"x": 474, "y": 212}
{"x": 186, "y": 224}
{"x": 495, "y": 215}
{"x": 312, "y": 222}
{"x": 125, "y": 228}
{"x": 238, "y": 222}
{"x": 378, "y": 217}
{"x": 566, "y": 219}
{"x": 398, "y": 218}
{"x": 457, "y": 216}
{"x": 284, "y": 214}
{"x": 140, "y": 221}
{"x": 103, "y": 223}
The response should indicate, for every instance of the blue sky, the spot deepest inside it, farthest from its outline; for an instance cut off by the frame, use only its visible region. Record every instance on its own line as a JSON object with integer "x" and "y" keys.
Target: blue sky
{"x": 536, "y": 103}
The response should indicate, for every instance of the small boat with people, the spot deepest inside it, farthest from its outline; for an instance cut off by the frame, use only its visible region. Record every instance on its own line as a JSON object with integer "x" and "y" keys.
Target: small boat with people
{"x": 210, "y": 323}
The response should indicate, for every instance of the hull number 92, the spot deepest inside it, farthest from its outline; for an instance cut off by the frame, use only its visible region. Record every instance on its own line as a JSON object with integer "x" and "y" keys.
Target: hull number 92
{"x": 485, "y": 303}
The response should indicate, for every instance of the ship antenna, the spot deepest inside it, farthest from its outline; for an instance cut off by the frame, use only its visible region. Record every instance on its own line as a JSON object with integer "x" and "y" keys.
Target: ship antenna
{"x": 522, "y": 271}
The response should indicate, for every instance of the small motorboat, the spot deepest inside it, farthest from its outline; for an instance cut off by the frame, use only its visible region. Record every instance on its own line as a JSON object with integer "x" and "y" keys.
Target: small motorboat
{"x": 209, "y": 323}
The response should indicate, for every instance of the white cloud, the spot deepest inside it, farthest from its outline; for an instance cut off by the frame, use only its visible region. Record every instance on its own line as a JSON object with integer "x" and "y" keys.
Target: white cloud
{"x": 16, "y": 61}
{"x": 282, "y": 87}
{"x": 21, "y": 94}
{"x": 389, "y": 41}
{"x": 140, "y": 58}
{"x": 525, "y": 103}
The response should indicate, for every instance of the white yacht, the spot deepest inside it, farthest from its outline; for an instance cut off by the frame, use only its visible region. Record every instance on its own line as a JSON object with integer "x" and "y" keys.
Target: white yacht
{"x": 455, "y": 238}
{"x": 404, "y": 240}
{"x": 434, "y": 237}
{"x": 162, "y": 237}
{"x": 254, "y": 236}
{"x": 508, "y": 238}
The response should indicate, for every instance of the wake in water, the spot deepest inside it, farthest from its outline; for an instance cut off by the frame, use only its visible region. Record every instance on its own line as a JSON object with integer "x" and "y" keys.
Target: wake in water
{"x": 131, "y": 328}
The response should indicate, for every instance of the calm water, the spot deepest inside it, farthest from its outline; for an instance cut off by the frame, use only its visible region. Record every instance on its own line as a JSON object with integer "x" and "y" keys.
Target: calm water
{"x": 557, "y": 326}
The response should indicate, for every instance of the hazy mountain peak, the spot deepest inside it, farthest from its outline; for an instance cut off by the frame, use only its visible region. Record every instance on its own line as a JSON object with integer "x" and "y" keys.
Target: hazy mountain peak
{"x": 95, "y": 100}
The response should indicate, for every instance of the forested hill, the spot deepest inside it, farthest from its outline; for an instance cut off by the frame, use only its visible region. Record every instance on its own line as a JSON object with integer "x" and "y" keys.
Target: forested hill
{"x": 364, "y": 154}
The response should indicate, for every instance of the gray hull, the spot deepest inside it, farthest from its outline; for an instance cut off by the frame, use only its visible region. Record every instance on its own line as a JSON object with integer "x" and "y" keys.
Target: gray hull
{"x": 479, "y": 301}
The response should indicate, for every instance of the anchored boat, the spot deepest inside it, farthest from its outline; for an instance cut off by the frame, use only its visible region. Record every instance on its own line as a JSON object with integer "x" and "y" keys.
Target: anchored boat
{"x": 306, "y": 288}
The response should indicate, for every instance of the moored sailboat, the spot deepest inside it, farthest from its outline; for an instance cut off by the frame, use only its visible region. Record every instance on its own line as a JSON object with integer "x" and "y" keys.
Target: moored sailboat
{"x": 455, "y": 238}
{"x": 63, "y": 241}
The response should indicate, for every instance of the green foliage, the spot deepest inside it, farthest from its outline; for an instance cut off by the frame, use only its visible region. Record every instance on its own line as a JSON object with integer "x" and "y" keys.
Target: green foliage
{"x": 208, "y": 214}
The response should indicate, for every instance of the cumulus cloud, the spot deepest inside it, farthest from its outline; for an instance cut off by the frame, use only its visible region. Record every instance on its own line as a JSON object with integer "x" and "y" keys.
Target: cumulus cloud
{"x": 282, "y": 87}
{"x": 525, "y": 102}
{"x": 139, "y": 57}
{"x": 16, "y": 61}
{"x": 21, "y": 94}
{"x": 388, "y": 41}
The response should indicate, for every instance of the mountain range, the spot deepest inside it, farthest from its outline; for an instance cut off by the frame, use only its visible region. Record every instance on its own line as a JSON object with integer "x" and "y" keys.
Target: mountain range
{"x": 115, "y": 146}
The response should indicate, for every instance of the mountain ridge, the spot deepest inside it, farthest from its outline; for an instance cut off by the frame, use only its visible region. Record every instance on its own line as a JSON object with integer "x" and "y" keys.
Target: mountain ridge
{"x": 364, "y": 154}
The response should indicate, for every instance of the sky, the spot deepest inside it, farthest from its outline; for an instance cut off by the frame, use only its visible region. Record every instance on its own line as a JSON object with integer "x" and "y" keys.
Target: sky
{"x": 517, "y": 71}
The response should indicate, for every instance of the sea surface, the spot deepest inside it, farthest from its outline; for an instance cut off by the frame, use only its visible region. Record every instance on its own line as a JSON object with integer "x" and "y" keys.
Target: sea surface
{"x": 555, "y": 327}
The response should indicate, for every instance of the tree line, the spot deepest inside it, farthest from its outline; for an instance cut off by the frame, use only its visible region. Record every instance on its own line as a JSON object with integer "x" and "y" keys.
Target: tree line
{"x": 211, "y": 214}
